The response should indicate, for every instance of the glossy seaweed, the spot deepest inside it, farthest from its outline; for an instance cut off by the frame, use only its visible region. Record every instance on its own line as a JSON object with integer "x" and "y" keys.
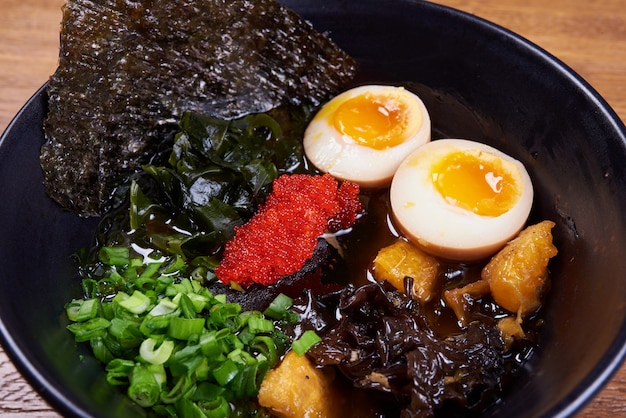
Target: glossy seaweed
{"x": 128, "y": 70}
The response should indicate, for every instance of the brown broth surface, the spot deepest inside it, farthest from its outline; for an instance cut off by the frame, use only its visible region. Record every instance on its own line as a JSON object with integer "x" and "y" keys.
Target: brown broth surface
{"x": 360, "y": 246}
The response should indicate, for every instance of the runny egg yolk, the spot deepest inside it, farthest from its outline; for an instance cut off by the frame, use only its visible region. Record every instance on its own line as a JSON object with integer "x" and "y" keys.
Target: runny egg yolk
{"x": 476, "y": 183}
{"x": 459, "y": 199}
{"x": 363, "y": 134}
{"x": 375, "y": 121}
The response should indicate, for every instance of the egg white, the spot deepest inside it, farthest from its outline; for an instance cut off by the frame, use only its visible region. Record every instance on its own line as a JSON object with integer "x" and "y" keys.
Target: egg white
{"x": 338, "y": 154}
{"x": 442, "y": 228}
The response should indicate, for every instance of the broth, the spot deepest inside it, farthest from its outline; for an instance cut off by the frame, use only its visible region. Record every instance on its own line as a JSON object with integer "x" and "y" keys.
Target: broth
{"x": 359, "y": 247}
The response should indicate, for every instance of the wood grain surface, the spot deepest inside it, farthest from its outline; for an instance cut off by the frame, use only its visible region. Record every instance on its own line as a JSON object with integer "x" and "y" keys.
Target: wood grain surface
{"x": 588, "y": 36}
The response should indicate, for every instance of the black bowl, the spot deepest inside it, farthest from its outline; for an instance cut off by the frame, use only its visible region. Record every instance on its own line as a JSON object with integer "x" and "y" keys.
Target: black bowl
{"x": 479, "y": 81}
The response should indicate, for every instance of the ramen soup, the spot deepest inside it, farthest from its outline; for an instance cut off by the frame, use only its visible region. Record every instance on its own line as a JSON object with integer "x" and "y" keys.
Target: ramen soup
{"x": 371, "y": 322}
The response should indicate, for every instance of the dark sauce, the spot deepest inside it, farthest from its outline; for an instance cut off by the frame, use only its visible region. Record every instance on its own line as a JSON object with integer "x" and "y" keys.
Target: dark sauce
{"x": 359, "y": 247}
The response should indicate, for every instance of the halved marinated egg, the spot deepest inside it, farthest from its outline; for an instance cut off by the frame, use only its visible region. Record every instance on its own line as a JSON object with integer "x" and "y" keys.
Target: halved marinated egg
{"x": 460, "y": 199}
{"x": 363, "y": 134}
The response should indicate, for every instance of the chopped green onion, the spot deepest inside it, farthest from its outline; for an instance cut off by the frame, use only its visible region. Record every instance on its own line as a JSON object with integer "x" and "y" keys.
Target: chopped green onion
{"x": 244, "y": 383}
{"x": 213, "y": 343}
{"x": 226, "y": 372}
{"x": 158, "y": 319}
{"x": 185, "y": 361}
{"x": 162, "y": 283}
{"x": 144, "y": 388}
{"x": 184, "y": 328}
{"x": 92, "y": 328}
{"x": 246, "y": 336}
{"x": 307, "y": 340}
{"x": 159, "y": 355}
{"x": 126, "y": 332}
{"x": 158, "y": 371}
{"x": 174, "y": 266}
{"x": 164, "y": 307}
{"x": 260, "y": 325}
{"x": 165, "y": 336}
{"x": 82, "y": 310}
{"x": 184, "y": 286}
{"x": 203, "y": 369}
{"x": 151, "y": 269}
{"x": 233, "y": 341}
{"x": 266, "y": 346}
{"x": 200, "y": 302}
{"x": 145, "y": 283}
{"x": 197, "y": 286}
{"x": 215, "y": 408}
{"x": 183, "y": 385}
{"x": 188, "y": 309}
{"x": 100, "y": 350}
{"x": 118, "y": 371}
{"x": 251, "y": 378}
{"x": 278, "y": 307}
{"x": 207, "y": 392}
{"x": 291, "y": 317}
{"x": 240, "y": 356}
{"x": 226, "y": 315}
{"x": 221, "y": 298}
{"x": 137, "y": 303}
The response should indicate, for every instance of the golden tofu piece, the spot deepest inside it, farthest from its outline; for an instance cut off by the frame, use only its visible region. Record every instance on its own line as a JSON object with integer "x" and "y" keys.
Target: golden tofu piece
{"x": 457, "y": 298}
{"x": 297, "y": 389}
{"x": 402, "y": 259}
{"x": 510, "y": 329}
{"x": 517, "y": 275}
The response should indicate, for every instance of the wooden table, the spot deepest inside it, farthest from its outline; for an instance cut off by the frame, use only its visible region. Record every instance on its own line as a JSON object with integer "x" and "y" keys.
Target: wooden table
{"x": 589, "y": 36}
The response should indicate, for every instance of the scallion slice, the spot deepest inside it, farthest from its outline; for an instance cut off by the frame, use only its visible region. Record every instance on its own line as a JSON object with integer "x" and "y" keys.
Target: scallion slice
{"x": 184, "y": 328}
{"x": 279, "y": 306}
{"x": 137, "y": 303}
{"x": 93, "y": 328}
{"x": 158, "y": 355}
{"x": 144, "y": 389}
{"x": 226, "y": 372}
{"x": 307, "y": 340}
{"x": 81, "y": 310}
{"x": 260, "y": 325}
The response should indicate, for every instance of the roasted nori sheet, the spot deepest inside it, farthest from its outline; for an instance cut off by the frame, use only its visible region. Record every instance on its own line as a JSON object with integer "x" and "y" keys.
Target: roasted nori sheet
{"x": 128, "y": 69}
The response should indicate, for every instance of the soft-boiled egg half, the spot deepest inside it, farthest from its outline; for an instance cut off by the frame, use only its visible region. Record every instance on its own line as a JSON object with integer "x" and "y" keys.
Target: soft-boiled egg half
{"x": 363, "y": 134}
{"x": 459, "y": 199}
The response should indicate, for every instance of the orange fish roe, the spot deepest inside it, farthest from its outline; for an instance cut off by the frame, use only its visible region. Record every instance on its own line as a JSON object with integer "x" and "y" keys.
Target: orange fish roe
{"x": 283, "y": 234}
